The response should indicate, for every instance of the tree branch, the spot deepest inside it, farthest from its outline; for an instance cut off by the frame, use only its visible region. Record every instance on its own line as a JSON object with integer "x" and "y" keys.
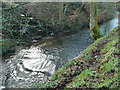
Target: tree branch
{"x": 11, "y": 8}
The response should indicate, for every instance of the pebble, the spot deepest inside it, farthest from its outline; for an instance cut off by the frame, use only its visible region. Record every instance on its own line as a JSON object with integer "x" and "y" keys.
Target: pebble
{"x": 2, "y": 87}
{"x": 34, "y": 41}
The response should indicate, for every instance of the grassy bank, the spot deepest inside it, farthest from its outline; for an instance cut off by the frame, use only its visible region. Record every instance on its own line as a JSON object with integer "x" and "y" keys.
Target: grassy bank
{"x": 96, "y": 67}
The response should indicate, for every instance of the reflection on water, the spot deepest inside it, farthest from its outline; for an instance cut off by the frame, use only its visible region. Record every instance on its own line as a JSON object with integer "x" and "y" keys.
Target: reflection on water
{"x": 106, "y": 27}
{"x": 36, "y": 63}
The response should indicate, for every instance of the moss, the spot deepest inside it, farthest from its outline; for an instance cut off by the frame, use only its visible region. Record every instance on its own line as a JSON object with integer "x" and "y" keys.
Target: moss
{"x": 79, "y": 79}
{"x": 96, "y": 67}
{"x": 96, "y": 33}
{"x": 5, "y": 45}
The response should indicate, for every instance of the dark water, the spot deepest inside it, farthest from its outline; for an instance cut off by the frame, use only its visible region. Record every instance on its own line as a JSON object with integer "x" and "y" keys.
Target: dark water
{"x": 41, "y": 60}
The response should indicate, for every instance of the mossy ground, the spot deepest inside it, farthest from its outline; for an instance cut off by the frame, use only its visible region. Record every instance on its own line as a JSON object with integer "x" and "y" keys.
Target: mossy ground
{"x": 96, "y": 67}
{"x": 7, "y": 45}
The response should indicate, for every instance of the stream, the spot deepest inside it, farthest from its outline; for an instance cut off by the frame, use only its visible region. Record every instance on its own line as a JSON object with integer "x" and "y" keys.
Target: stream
{"x": 39, "y": 61}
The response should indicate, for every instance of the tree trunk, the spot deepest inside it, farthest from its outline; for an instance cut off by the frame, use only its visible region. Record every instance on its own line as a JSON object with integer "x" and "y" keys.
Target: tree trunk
{"x": 94, "y": 28}
{"x": 60, "y": 12}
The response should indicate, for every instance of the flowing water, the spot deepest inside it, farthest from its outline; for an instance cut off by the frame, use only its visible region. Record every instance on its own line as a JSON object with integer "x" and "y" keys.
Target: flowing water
{"x": 39, "y": 61}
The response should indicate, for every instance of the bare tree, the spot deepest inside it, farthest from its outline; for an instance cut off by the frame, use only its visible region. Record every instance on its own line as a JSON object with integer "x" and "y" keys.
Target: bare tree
{"x": 60, "y": 12}
{"x": 94, "y": 28}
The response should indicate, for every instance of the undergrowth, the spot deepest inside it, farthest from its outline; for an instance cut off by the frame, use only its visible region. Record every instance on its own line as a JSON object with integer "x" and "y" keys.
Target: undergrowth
{"x": 96, "y": 67}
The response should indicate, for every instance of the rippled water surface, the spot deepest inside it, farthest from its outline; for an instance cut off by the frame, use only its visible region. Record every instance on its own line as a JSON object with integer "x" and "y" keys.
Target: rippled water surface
{"x": 39, "y": 61}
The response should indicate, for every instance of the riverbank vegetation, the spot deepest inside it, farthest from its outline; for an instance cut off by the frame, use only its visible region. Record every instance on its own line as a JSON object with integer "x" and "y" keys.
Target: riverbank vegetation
{"x": 30, "y": 22}
{"x": 96, "y": 67}
{"x": 26, "y": 23}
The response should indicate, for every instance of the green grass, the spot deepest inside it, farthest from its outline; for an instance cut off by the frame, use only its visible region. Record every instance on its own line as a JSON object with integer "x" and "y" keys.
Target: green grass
{"x": 96, "y": 67}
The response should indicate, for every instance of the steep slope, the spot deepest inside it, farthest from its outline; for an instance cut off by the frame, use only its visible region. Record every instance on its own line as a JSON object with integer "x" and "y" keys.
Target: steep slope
{"x": 96, "y": 67}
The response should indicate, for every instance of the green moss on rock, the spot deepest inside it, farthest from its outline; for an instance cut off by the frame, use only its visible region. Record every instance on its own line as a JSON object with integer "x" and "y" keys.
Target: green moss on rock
{"x": 5, "y": 45}
{"x": 8, "y": 44}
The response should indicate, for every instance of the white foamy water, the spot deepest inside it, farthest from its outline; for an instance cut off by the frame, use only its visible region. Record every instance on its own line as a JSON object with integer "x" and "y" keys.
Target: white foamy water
{"x": 34, "y": 59}
{"x": 37, "y": 63}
